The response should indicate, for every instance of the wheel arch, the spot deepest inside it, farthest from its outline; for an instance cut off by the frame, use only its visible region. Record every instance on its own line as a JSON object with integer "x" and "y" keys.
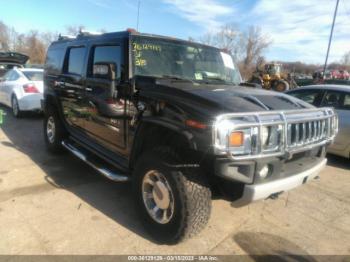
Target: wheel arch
{"x": 152, "y": 133}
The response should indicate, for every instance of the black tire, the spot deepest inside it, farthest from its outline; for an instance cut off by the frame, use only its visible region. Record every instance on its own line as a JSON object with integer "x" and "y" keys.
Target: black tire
{"x": 54, "y": 144}
{"x": 15, "y": 107}
{"x": 192, "y": 197}
{"x": 280, "y": 86}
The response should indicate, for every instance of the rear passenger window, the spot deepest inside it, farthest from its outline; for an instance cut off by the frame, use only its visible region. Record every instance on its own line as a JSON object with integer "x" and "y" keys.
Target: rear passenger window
{"x": 110, "y": 54}
{"x": 54, "y": 58}
{"x": 76, "y": 60}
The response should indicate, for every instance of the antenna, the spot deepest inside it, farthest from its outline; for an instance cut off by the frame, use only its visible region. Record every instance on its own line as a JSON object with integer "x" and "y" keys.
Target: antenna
{"x": 138, "y": 14}
{"x": 330, "y": 39}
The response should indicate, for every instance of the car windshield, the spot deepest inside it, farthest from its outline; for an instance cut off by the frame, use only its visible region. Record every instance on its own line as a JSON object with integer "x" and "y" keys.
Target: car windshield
{"x": 33, "y": 75}
{"x": 182, "y": 60}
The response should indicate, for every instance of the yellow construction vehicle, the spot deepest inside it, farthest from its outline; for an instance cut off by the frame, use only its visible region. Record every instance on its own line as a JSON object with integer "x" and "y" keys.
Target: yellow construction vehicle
{"x": 272, "y": 78}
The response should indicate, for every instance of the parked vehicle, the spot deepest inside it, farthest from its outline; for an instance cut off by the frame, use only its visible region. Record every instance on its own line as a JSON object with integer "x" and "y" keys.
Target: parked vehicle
{"x": 170, "y": 116}
{"x": 10, "y": 60}
{"x": 22, "y": 90}
{"x": 343, "y": 74}
{"x": 338, "y": 97}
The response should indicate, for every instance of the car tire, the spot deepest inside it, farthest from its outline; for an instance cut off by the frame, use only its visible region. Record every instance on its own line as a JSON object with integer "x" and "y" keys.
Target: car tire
{"x": 181, "y": 199}
{"x": 15, "y": 107}
{"x": 54, "y": 131}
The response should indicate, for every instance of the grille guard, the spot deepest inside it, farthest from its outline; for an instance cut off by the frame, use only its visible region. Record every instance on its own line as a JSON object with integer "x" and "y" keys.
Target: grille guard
{"x": 298, "y": 130}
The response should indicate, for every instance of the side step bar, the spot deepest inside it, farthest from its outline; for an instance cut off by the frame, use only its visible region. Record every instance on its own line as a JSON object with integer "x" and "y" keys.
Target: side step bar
{"x": 104, "y": 171}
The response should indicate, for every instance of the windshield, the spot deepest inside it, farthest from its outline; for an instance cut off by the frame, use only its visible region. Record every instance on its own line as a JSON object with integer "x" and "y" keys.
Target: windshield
{"x": 166, "y": 58}
{"x": 33, "y": 75}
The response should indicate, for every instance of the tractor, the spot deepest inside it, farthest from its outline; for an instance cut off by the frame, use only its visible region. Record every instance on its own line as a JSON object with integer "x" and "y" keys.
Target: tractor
{"x": 273, "y": 78}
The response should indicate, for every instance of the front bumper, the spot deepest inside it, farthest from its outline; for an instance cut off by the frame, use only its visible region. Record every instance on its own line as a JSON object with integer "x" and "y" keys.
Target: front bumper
{"x": 262, "y": 191}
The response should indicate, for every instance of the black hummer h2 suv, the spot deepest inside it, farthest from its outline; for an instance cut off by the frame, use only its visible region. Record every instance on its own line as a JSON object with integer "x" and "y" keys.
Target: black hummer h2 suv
{"x": 170, "y": 116}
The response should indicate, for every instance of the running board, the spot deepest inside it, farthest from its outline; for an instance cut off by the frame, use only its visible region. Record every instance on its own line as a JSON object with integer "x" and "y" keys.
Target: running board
{"x": 104, "y": 171}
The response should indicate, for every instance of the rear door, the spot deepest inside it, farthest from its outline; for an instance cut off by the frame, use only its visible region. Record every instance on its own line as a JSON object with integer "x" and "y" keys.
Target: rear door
{"x": 71, "y": 85}
{"x": 105, "y": 121}
{"x": 341, "y": 102}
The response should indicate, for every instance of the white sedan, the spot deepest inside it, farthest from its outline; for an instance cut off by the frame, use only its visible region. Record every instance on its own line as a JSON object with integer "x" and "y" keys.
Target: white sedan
{"x": 22, "y": 89}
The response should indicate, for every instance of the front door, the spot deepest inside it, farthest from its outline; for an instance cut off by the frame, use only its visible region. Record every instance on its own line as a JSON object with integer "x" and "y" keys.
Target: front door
{"x": 105, "y": 121}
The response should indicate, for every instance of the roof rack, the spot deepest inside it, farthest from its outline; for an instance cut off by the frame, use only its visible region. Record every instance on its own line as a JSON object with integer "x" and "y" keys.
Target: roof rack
{"x": 65, "y": 37}
{"x": 88, "y": 33}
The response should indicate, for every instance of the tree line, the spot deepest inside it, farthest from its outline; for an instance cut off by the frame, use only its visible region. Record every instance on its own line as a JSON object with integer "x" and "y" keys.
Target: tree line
{"x": 247, "y": 46}
{"x": 33, "y": 43}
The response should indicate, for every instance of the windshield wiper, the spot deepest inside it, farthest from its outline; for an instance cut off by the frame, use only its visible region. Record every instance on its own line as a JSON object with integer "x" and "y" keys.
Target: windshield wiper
{"x": 176, "y": 78}
{"x": 208, "y": 80}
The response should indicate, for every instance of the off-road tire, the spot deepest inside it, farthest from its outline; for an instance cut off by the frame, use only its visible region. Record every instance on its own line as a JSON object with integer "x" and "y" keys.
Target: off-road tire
{"x": 192, "y": 197}
{"x": 277, "y": 84}
{"x": 55, "y": 145}
{"x": 14, "y": 103}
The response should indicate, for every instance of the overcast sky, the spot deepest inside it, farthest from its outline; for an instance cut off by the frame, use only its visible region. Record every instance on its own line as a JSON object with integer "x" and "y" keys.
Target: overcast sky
{"x": 299, "y": 29}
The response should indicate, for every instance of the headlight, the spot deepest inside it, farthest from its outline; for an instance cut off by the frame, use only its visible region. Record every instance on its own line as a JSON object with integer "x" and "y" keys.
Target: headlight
{"x": 237, "y": 141}
{"x": 273, "y": 138}
{"x": 243, "y": 141}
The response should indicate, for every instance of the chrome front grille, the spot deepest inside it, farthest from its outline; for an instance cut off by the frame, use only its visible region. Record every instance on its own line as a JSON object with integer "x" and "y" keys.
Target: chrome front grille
{"x": 294, "y": 131}
{"x": 308, "y": 132}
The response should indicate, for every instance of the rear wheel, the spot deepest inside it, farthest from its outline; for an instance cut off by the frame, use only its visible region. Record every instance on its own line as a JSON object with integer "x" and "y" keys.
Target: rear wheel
{"x": 281, "y": 86}
{"x": 54, "y": 131}
{"x": 15, "y": 107}
{"x": 174, "y": 205}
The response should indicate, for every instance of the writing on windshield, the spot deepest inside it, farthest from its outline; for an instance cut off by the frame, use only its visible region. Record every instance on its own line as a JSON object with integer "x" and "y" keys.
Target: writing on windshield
{"x": 159, "y": 57}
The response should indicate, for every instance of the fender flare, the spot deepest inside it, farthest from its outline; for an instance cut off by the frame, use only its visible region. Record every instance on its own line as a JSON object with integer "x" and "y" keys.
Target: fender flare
{"x": 157, "y": 122}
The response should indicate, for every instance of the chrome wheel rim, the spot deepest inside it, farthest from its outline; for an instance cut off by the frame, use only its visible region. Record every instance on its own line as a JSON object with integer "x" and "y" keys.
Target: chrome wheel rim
{"x": 158, "y": 197}
{"x": 50, "y": 129}
{"x": 14, "y": 106}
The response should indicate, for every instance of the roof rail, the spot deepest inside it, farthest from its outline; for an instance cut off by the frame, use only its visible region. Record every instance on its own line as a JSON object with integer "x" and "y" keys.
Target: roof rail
{"x": 65, "y": 37}
{"x": 87, "y": 33}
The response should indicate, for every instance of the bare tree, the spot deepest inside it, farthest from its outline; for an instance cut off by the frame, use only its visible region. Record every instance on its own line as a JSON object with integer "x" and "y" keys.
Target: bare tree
{"x": 228, "y": 38}
{"x": 36, "y": 49}
{"x": 346, "y": 59}
{"x": 74, "y": 29}
{"x": 255, "y": 44}
{"x": 4, "y": 37}
{"x": 245, "y": 46}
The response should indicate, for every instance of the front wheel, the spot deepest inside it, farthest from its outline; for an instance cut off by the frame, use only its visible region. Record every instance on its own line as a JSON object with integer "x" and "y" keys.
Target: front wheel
{"x": 174, "y": 205}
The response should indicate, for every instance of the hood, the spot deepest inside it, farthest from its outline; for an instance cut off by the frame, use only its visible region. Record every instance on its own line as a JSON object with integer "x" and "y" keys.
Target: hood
{"x": 218, "y": 99}
{"x": 13, "y": 57}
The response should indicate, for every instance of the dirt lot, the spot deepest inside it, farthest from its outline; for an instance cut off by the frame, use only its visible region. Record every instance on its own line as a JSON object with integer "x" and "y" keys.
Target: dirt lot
{"x": 59, "y": 205}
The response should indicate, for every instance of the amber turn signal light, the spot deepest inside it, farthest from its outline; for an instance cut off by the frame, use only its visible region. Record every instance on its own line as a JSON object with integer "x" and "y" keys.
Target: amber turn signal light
{"x": 236, "y": 138}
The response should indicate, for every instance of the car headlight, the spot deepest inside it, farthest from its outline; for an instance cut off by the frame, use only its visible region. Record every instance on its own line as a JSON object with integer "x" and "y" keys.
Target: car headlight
{"x": 227, "y": 138}
{"x": 243, "y": 141}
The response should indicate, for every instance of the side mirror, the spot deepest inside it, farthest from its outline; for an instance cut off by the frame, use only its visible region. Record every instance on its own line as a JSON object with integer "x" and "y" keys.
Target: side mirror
{"x": 105, "y": 70}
